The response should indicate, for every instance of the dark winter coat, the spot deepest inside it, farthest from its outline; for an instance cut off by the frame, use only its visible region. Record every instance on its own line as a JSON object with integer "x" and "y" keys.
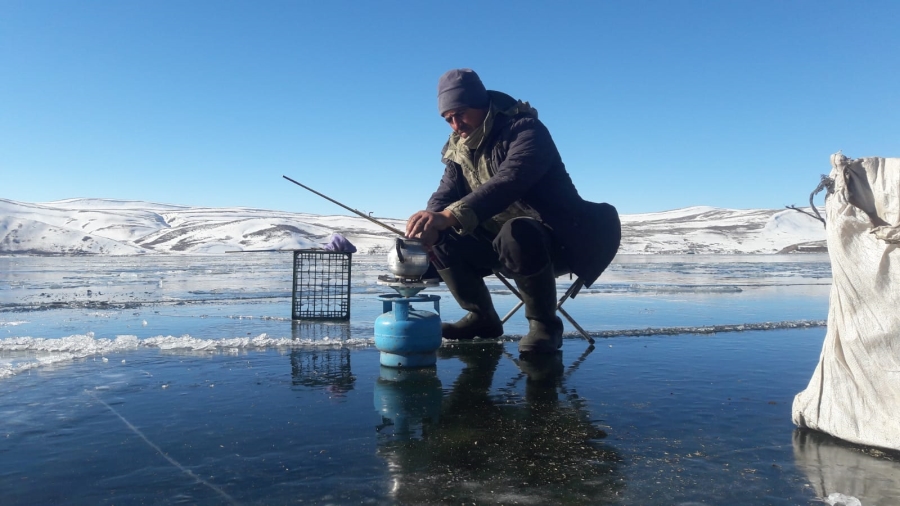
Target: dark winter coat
{"x": 526, "y": 167}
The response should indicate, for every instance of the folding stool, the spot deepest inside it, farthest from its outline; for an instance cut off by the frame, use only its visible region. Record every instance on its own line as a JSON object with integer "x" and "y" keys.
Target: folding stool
{"x": 570, "y": 294}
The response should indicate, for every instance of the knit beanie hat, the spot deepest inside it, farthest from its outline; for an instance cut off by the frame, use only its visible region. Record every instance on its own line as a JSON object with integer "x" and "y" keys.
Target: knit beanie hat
{"x": 461, "y": 88}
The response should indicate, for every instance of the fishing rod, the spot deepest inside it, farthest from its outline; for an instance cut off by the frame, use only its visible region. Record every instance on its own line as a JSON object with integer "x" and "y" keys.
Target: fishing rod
{"x": 358, "y": 213}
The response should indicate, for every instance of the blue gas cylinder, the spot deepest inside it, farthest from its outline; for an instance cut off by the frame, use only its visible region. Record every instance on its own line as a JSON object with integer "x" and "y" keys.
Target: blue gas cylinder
{"x": 405, "y": 336}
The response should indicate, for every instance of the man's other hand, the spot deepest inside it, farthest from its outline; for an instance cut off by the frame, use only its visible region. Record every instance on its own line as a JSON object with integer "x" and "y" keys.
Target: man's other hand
{"x": 427, "y": 225}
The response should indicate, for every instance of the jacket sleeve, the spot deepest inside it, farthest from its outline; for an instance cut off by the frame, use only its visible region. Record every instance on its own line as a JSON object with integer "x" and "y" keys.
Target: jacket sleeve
{"x": 530, "y": 154}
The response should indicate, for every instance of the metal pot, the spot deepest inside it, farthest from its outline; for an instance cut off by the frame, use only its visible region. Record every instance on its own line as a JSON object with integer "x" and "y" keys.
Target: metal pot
{"x": 408, "y": 258}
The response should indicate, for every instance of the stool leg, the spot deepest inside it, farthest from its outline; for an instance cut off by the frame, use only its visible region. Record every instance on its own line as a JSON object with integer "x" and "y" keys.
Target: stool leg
{"x": 575, "y": 288}
{"x": 576, "y": 325}
{"x": 512, "y": 312}
{"x": 515, "y": 292}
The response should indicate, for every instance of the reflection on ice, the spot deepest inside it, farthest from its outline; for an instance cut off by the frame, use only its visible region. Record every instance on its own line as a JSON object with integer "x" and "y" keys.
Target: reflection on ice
{"x": 843, "y": 473}
{"x": 409, "y": 402}
{"x": 472, "y": 445}
{"x": 327, "y": 368}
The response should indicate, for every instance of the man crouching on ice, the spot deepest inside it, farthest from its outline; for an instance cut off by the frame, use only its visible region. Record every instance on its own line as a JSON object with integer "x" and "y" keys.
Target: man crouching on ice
{"x": 506, "y": 202}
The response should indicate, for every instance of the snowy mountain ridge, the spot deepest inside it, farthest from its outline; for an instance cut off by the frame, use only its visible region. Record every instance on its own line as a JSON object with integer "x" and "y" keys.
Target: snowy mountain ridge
{"x": 120, "y": 227}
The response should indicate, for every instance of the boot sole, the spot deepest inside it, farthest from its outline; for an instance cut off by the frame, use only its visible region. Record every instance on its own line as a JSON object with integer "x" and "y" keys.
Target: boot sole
{"x": 493, "y": 335}
{"x": 540, "y": 347}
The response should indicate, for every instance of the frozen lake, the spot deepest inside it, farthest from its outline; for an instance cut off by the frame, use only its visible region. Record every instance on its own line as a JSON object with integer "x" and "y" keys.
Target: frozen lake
{"x": 182, "y": 379}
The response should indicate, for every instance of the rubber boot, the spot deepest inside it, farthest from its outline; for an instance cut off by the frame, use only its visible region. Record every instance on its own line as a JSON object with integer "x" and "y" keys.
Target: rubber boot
{"x": 544, "y": 327}
{"x": 471, "y": 293}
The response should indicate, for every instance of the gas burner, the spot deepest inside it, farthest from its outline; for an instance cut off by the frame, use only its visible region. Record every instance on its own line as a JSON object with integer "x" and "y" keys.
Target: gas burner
{"x": 387, "y": 278}
{"x": 407, "y": 287}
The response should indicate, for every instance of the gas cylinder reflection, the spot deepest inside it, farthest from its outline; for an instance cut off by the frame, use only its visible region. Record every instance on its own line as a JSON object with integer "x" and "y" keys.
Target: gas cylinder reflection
{"x": 526, "y": 440}
{"x": 409, "y": 401}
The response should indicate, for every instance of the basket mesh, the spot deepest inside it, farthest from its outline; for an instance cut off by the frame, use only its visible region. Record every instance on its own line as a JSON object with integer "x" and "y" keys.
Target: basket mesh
{"x": 321, "y": 285}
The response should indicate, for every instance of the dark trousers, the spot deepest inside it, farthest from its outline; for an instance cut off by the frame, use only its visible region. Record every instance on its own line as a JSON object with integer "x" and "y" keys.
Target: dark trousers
{"x": 523, "y": 247}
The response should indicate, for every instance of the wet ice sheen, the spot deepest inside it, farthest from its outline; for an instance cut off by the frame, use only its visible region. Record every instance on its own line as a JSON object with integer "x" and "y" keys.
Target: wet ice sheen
{"x": 200, "y": 390}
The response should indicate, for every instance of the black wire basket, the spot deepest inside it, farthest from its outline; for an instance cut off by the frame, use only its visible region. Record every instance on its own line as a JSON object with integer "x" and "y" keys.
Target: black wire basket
{"x": 321, "y": 285}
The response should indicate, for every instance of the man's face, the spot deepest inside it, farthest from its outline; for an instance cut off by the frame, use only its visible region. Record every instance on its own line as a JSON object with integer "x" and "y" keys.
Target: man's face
{"x": 465, "y": 120}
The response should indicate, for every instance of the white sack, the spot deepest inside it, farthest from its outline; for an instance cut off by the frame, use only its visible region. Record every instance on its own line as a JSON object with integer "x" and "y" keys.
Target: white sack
{"x": 854, "y": 393}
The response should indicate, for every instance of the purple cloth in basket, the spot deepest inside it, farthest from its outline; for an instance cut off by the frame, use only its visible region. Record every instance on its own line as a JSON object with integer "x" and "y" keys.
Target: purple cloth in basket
{"x": 340, "y": 243}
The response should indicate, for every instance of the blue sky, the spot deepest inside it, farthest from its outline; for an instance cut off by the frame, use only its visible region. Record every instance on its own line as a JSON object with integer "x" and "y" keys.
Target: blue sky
{"x": 654, "y": 105}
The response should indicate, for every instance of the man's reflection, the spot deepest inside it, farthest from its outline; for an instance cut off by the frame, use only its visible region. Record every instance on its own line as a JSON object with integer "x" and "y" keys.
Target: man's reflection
{"x": 496, "y": 446}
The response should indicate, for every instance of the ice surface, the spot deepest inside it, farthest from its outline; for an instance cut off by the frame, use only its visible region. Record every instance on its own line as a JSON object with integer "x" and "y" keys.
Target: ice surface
{"x": 191, "y": 363}
{"x": 655, "y": 421}
{"x": 54, "y": 310}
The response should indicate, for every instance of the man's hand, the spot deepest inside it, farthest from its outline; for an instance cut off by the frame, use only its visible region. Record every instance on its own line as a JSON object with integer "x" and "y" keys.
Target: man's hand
{"x": 427, "y": 225}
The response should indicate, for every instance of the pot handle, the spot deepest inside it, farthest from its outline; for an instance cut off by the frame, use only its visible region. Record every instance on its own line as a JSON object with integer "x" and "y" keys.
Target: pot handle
{"x": 400, "y": 245}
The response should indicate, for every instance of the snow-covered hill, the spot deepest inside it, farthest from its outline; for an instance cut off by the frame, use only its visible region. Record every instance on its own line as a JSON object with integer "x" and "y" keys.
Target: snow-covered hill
{"x": 706, "y": 230}
{"x": 116, "y": 227}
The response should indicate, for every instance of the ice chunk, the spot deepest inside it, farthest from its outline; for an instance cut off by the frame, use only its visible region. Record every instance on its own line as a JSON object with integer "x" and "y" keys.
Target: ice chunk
{"x": 839, "y": 499}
